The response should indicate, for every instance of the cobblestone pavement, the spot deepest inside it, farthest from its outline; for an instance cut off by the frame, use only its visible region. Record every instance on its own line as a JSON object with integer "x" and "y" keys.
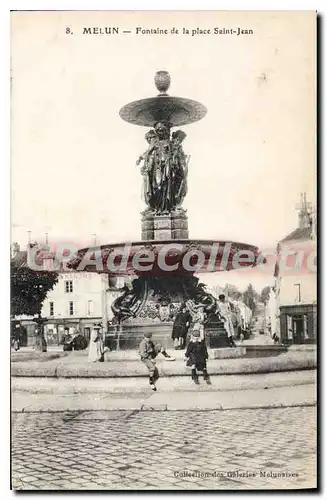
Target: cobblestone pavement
{"x": 119, "y": 450}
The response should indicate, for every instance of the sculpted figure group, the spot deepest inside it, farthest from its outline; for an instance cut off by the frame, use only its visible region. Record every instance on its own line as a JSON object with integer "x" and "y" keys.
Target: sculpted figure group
{"x": 164, "y": 169}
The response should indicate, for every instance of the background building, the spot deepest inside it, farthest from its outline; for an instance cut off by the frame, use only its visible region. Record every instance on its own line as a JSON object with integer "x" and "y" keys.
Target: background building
{"x": 296, "y": 281}
{"x": 77, "y": 301}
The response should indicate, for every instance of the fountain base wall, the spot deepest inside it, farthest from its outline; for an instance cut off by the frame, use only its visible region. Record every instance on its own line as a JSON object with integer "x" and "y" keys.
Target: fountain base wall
{"x": 129, "y": 336}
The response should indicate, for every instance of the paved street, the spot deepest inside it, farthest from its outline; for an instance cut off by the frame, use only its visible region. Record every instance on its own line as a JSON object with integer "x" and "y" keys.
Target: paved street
{"x": 234, "y": 449}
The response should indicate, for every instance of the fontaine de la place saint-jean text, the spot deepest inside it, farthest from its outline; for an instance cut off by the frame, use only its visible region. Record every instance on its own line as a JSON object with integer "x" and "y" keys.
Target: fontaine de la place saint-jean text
{"x": 115, "y": 30}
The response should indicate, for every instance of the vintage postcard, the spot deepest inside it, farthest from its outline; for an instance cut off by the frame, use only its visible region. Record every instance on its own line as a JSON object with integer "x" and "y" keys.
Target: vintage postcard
{"x": 163, "y": 250}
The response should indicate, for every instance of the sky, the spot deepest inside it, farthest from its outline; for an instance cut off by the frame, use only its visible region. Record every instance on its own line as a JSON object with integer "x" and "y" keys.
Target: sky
{"x": 73, "y": 159}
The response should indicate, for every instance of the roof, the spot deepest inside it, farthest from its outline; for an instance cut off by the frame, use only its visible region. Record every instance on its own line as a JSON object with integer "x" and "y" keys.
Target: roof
{"x": 20, "y": 258}
{"x": 304, "y": 233}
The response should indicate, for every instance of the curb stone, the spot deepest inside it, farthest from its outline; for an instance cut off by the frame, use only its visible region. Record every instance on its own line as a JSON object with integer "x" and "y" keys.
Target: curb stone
{"x": 119, "y": 369}
{"x": 154, "y": 408}
{"x": 166, "y": 408}
{"x": 166, "y": 401}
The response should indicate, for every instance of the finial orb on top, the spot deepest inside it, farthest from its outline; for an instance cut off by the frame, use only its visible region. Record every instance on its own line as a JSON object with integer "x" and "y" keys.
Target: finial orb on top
{"x": 162, "y": 81}
{"x": 163, "y": 108}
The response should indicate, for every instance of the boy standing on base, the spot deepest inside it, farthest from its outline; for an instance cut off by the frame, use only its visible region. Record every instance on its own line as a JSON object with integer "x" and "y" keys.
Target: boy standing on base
{"x": 197, "y": 355}
{"x": 148, "y": 352}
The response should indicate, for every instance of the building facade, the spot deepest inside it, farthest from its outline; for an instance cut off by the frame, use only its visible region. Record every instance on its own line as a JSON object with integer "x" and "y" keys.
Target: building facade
{"x": 77, "y": 301}
{"x": 296, "y": 282}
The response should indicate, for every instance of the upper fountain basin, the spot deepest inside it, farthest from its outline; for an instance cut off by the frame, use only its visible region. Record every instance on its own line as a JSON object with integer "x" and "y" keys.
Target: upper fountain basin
{"x": 176, "y": 111}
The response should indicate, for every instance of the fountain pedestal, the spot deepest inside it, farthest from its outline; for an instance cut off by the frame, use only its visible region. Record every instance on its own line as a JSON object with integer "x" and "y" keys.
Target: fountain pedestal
{"x": 172, "y": 226}
{"x": 129, "y": 335}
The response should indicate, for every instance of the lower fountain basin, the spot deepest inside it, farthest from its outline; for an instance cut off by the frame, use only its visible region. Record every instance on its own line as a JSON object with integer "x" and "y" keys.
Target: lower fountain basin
{"x": 173, "y": 257}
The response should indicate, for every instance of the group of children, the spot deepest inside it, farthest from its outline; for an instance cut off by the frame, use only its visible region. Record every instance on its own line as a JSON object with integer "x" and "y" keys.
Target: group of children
{"x": 196, "y": 356}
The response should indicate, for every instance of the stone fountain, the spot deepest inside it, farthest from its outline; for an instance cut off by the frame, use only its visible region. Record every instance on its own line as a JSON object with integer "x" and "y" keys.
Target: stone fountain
{"x": 161, "y": 266}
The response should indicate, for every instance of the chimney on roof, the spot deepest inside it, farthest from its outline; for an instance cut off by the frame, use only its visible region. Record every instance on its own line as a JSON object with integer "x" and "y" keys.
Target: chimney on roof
{"x": 314, "y": 224}
{"x": 305, "y": 210}
{"x": 48, "y": 262}
{"x": 15, "y": 248}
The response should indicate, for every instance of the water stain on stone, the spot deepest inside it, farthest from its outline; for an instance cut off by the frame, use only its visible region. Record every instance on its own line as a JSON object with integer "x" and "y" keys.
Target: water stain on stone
{"x": 273, "y": 465}
{"x": 70, "y": 416}
{"x": 262, "y": 78}
{"x": 124, "y": 467}
{"x": 186, "y": 450}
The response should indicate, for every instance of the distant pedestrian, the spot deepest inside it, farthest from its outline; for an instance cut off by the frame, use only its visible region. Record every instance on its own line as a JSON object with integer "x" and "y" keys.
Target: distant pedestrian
{"x": 275, "y": 339}
{"x": 180, "y": 328}
{"x": 79, "y": 342}
{"x": 226, "y": 315}
{"x": 66, "y": 337}
{"x": 96, "y": 345}
{"x": 148, "y": 353}
{"x": 16, "y": 344}
{"x": 197, "y": 355}
{"x": 16, "y": 339}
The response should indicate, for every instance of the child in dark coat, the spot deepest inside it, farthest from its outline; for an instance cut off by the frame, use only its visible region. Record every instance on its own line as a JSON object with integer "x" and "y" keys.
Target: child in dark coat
{"x": 197, "y": 355}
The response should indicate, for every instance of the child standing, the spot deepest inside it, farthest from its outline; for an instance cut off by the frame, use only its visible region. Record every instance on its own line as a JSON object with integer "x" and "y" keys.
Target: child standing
{"x": 226, "y": 315}
{"x": 148, "y": 352}
{"x": 197, "y": 355}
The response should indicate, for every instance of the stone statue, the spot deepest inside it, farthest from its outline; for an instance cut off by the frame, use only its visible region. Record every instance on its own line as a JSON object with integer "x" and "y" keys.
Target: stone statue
{"x": 131, "y": 301}
{"x": 164, "y": 169}
{"x": 180, "y": 167}
{"x": 122, "y": 307}
{"x": 126, "y": 306}
{"x": 200, "y": 302}
{"x": 147, "y": 167}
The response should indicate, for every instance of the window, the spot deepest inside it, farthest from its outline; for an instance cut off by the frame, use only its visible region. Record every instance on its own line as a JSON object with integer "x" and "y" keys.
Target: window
{"x": 90, "y": 307}
{"x": 87, "y": 333}
{"x": 71, "y": 308}
{"x": 68, "y": 286}
{"x": 298, "y": 292}
{"x": 51, "y": 308}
